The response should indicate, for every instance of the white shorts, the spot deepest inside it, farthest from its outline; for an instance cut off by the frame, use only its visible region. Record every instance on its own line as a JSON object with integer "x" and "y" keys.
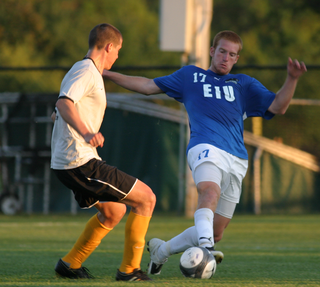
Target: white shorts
{"x": 209, "y": 163}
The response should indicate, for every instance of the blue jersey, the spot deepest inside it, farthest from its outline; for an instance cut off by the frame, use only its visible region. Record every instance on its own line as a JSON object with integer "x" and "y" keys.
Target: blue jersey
{"x": 217, "y": 105}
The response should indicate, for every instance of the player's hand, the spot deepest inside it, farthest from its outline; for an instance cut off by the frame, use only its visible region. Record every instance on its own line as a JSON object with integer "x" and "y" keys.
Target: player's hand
{"x": 94, "y": 139}
{"x": 295, "y": 68}
{"x": 53, "y": 116}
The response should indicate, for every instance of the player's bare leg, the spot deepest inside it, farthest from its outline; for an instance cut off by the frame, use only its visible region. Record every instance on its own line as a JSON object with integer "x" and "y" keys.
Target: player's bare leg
{"x": 220, "y": 224}
{"x": 208, "y": 197}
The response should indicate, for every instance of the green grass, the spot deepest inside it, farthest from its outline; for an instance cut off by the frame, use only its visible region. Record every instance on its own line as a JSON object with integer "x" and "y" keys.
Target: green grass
{"x": 259, "y": 251}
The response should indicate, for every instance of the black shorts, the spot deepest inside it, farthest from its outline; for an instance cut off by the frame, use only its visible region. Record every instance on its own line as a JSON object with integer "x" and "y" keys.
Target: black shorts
{"x": 96, "y": 181}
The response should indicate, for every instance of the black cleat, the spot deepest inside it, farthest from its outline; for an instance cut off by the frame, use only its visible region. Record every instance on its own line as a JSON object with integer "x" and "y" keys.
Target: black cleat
{"x": 136, "y": 275}
{"x": 62, "y": 270}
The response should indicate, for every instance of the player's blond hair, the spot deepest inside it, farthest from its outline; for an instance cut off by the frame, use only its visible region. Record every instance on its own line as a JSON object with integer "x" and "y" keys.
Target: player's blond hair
{"x": 103, "y": 34}
{"x": 227, "y": 35}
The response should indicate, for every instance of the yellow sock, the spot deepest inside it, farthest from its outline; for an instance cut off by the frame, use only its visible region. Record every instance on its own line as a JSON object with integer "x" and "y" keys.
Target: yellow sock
{"x": 135, "y": 232}
{"x": 87, "y": 242}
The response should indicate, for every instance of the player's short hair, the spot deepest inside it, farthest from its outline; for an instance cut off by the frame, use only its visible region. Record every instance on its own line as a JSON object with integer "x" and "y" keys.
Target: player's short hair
{"x": 103, "y": 34}
{"x": 228, "y": 35}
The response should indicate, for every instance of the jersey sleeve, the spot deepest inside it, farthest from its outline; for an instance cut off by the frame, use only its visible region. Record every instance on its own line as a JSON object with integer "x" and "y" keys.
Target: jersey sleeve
{"x": 172, "y": 84}
{"x": 259, "y": 100}
{"x": 77, "y": 85}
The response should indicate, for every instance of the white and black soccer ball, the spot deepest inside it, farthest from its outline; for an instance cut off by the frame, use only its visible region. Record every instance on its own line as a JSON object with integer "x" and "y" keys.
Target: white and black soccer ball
{"x": 198, "y": 262}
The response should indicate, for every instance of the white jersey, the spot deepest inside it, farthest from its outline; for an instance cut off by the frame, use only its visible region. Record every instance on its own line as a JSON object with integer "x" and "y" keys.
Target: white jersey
{"x": 84, "y": 85}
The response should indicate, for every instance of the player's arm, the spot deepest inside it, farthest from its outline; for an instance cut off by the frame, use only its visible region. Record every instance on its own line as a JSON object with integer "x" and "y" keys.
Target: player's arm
{"x": 137, "y": 84}
{"x": 71, "y": 116}
{"x": 295, "y": 69}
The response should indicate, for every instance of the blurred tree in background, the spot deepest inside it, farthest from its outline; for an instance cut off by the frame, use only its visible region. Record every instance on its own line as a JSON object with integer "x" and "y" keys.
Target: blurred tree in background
{"x": 55, "y": 33}
{"x": 38, "y": 33}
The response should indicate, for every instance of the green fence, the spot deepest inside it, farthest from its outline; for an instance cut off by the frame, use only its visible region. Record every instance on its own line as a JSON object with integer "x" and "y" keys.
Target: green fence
{"x": 140, "y": 143}
{"x": 285, "y": 187}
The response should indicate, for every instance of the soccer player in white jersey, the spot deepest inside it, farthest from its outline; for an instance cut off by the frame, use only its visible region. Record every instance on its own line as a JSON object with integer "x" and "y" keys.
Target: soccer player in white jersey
{"x": 79, "y": 113}
{"x": 217, "y": 102}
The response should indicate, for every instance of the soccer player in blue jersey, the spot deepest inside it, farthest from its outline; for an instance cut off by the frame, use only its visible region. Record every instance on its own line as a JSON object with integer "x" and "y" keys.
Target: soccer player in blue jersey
{"x": 217, "y": 103}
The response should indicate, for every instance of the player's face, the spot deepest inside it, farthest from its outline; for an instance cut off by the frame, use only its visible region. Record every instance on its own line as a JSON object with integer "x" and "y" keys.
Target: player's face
{"x": 224, "y": 56}
{"x": 113, "y": 54}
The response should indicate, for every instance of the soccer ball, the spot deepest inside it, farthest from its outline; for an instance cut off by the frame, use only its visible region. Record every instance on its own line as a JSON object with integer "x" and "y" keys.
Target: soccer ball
{"x": 197, "y": 262}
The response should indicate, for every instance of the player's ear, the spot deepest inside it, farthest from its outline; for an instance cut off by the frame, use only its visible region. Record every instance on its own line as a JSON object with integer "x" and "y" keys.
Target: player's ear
{"x": 237, "y": 59}
{"x": 108, "y": 47}
{"x": 212, "y": 51}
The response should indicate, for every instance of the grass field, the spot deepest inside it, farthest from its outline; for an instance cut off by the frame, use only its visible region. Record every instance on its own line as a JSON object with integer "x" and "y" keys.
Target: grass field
{"x": 259, "y": 251}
